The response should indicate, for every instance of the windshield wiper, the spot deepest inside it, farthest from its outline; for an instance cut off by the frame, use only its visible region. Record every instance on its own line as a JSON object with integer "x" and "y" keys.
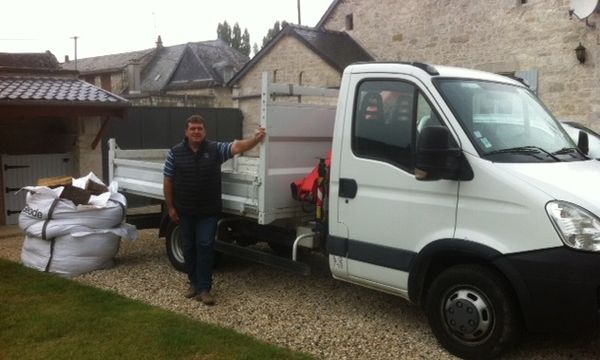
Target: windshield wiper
{"x": 527, "y": 150}
{"x": 566, "y": 150}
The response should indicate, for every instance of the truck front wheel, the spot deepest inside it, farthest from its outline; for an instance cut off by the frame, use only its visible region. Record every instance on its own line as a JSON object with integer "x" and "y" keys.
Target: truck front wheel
{"x": 472, "y": 312}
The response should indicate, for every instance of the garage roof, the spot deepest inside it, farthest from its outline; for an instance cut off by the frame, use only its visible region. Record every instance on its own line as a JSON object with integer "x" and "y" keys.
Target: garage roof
{"x": 32, "y": 90}
{"x": 34, "y": 84}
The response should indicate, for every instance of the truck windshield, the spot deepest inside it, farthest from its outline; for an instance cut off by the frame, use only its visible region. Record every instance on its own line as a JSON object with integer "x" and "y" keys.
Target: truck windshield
{"x": 507, "y": 123}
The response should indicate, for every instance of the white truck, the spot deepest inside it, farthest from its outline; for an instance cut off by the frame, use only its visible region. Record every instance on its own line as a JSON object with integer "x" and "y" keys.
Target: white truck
{"x": 452, "y": 188}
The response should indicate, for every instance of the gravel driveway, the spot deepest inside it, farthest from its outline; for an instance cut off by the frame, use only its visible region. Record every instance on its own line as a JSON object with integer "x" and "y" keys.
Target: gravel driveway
{"x": 314, "y": 314}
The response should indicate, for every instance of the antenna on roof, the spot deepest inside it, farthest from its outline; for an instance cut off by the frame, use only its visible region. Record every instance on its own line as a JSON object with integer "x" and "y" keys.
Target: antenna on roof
{"x": 75, "y": 39}
{"x": 299, "y": 17}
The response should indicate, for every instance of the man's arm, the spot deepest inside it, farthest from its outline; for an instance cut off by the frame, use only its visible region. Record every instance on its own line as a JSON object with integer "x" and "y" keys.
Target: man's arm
{"x": 241, "y": 146}
{"x": 169, "y": 172}
{"x": 168, "y": 192}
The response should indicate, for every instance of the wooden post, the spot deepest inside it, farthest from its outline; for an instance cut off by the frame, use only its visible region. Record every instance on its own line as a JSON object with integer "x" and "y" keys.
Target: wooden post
{"x": 100, "y": 132}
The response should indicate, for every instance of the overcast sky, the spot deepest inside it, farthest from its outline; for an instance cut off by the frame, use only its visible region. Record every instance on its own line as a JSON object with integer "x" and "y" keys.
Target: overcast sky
{"x": 113, "y": 26}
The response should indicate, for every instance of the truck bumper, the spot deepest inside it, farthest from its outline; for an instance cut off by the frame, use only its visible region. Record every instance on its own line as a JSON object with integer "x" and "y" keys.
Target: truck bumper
{"x": 558, "y": 288}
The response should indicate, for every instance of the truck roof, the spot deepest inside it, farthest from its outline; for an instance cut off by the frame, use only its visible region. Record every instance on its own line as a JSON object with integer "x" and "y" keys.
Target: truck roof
{"x": 432, "y": 71}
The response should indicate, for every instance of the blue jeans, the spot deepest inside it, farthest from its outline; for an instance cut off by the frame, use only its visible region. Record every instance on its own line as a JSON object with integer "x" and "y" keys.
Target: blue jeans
{"x": 198, "y": 235}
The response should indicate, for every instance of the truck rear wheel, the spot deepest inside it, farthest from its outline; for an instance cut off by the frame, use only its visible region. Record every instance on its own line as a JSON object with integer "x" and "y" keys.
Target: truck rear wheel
{"x": 175, "y": 247}
{"x": 472, "y": 312}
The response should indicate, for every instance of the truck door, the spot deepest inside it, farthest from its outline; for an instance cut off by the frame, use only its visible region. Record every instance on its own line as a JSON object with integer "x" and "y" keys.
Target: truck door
{"x": 389, "y": 214}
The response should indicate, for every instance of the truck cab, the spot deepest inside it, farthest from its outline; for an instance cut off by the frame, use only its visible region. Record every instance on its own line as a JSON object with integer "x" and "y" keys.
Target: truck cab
{"x": 458, "y": 190}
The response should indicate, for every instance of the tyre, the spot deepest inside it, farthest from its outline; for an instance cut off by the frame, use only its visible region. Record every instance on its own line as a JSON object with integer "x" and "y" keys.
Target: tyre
{"x": 175, "y": 247}
{"x": 472, "y": 312}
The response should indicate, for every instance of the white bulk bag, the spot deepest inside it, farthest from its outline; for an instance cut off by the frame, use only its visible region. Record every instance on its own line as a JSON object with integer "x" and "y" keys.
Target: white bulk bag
{"x": 77, "y": 253}
{"x": 47, "y": 216}
{"x": 69, "y": 239}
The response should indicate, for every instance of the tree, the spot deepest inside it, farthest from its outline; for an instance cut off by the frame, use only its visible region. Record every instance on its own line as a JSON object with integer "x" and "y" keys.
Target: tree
{"x": 274, "y": 31}
{"x": 245, "y": 45}
{"x": 234, "y": 38}
{"x": 224, "y": 32}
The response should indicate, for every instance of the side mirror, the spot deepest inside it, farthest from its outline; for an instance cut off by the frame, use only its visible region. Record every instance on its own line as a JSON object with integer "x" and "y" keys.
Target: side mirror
{"x": 583, "y": 142}
{"x": 435, "y": 159}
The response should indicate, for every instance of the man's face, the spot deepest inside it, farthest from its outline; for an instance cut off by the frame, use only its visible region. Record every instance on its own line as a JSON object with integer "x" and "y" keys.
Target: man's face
{"x": 195, "y": 133}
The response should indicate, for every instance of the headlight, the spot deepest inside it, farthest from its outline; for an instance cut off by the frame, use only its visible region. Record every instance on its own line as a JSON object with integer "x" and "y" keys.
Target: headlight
{"x": 577, "y": 227}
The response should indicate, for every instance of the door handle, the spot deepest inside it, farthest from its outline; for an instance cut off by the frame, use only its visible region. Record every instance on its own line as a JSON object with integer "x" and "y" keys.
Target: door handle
{"x": 348, "y": 188}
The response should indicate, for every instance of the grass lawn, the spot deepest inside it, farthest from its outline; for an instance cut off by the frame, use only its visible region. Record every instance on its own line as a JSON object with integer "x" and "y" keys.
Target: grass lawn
{"x": 43, "y": 316}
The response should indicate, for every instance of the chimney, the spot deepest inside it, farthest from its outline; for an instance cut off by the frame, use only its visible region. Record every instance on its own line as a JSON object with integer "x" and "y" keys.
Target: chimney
{"x": 66, "y": 58}
{"x": 159, "y": 43}
{"x": 227, "y": 73}
{"x": 133, "y": 77}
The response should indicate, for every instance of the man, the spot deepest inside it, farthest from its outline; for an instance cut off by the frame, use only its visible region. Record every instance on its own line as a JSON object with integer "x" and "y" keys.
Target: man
{"x": 192, "y": 189}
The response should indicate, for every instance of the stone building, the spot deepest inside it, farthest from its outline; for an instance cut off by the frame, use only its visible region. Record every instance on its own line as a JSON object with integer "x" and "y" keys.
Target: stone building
{"x": 191, "y": 74}
{"x": 533, "y": 37}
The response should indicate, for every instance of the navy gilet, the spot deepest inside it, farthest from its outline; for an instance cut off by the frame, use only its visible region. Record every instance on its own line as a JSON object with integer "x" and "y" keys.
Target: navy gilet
{"x": 197, "y": 180}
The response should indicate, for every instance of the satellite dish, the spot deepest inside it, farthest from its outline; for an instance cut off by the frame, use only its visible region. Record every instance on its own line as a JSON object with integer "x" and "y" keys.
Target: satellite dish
{"x": 583, "y": 8}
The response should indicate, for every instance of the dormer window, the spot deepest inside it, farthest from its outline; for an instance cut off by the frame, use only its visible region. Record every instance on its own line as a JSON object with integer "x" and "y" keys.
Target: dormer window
{"x": 349, "y": 22}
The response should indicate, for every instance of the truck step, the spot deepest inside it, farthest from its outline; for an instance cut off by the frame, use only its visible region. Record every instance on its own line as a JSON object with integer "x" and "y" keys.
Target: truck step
{"x": 262, "y": 257}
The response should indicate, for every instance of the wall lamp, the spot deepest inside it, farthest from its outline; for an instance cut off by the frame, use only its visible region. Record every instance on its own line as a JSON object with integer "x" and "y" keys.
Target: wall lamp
{"x": 580, "y": 53}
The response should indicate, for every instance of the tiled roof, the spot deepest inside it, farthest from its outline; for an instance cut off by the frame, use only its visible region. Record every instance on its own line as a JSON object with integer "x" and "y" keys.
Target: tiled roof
{"x": 336, "y": 48}
{"x": 193, "y": 65}
{"x": 44, "y": 90}
{"x": 217, "y": 54}
{"x": 29, "y": 60}
{"x": 157, "y": 73}
{"x": 104, "y": 63}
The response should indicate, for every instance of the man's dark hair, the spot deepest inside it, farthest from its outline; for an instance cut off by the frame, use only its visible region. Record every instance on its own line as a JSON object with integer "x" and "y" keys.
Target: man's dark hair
{"x": 196, "y": 119}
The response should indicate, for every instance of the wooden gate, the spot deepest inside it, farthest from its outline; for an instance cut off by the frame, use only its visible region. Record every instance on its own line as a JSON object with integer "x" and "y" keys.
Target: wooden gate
{"x": 24, "y": 170}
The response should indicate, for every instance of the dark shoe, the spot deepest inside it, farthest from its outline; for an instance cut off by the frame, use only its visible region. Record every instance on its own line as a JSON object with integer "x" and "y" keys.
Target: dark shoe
{"x": 206, "y": 298}
{"x": 190, "y": 293}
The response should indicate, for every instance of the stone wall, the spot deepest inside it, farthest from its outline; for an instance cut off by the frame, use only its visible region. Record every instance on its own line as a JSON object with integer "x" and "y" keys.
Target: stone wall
{"x": 218, "y": 96}
{"x": 502, "y": 36}
{"x": 173, "y": 100}
{"x": 87, "y": 158}
{"x": 288, "y": 62}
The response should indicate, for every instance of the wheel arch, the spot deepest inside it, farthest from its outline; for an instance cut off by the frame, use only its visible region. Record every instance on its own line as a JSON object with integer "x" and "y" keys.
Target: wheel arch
{"x": 442, "y": 254}
{"x": 165, "y": 221}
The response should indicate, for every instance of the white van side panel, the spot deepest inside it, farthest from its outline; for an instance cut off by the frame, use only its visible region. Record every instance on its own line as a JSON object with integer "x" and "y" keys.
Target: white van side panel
{"x": 394, "y": 279}
{"x": 502, "y": 211}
